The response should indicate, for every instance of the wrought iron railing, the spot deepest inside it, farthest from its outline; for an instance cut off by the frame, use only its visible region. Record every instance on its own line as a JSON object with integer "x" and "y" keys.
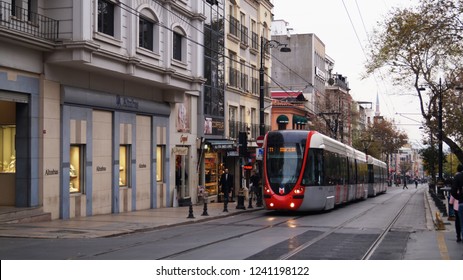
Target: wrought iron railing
{"x": 28, "y": 22}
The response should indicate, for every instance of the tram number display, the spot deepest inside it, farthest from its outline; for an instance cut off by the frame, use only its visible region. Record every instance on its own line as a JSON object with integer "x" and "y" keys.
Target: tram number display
{"x": 282, "y": 149}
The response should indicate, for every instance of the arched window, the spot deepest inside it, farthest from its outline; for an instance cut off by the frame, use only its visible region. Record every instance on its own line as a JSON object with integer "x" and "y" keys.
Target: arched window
{"x": 148, "y": 31}
{"x": 178, "y": 44}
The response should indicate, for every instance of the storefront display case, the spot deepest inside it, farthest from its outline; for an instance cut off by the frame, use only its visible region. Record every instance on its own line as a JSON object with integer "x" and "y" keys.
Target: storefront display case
{"x": 7, "y": 149}
{"x": 75, "y": 168}
{"x": 124, "y": 156}
{"x": 211, "y": 172}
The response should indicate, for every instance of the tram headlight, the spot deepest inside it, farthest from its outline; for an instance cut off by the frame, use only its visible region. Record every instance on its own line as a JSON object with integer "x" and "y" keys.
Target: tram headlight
{"x": 271, "y": 204}
{"x": 299, "y": 190}
{"x": 291, "y": 205}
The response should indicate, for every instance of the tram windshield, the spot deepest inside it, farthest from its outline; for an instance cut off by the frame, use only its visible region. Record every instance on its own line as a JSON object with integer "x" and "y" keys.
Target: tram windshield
{"x": 284, "y": 161}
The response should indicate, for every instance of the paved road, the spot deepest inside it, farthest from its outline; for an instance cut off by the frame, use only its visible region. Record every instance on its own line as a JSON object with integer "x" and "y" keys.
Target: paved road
{"x": 344, "y": 233}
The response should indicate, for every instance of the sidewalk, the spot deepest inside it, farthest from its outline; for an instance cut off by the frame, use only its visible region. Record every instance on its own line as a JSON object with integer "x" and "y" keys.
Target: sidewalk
{"x": 119, "y": 224}
{"x": 435, "y": 244}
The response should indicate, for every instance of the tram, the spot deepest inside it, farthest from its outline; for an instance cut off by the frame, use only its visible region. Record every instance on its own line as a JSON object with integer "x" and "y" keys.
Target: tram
{"x": 308, "y": 171}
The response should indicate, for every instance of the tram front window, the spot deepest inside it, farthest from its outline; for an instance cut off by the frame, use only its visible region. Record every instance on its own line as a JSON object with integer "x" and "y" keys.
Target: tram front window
{"x": 284, "y": 163}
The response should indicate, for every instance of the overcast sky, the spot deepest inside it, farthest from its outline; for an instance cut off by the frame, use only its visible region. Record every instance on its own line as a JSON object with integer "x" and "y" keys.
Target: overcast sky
{"x": 344, "y": 26}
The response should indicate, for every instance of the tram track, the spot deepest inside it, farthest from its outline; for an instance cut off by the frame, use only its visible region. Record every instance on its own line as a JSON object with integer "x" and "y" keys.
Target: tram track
{"x": 308, "y": 243}
{"x": 375, "y": 244}
{"x": 202, "y": 246}
{"x": 313, "y": 237}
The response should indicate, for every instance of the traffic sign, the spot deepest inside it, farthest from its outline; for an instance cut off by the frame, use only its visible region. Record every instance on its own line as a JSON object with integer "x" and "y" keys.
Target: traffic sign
{"x": 260, "y": 141}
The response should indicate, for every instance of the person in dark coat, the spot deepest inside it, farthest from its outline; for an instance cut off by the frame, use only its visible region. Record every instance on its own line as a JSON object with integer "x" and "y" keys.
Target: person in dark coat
{"x": 255, "y": 180}
{"x": 457, "y": 193}
{"x": 226, "y": 184}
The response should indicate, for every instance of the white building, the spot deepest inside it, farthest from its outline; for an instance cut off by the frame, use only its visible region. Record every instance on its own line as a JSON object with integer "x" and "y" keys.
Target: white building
{"x": 97, "y": 99}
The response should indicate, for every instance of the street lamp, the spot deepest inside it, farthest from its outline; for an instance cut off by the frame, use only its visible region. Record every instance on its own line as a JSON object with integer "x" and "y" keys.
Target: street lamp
{"x": 440, "y": 181}
{"x": 263, "y": 47}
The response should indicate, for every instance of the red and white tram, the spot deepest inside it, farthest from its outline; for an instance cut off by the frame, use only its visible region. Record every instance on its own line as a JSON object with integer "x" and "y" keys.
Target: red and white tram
{"x": 308, "y": 171}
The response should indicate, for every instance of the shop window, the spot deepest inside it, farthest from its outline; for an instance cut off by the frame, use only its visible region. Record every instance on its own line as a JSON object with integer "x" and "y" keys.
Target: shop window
{"x": 160, "y": 163}
{"x": 212, "y": 173}
{"x": 76, "y": 168}
{"x": 124, "y": 165}
{"x": 8, "y": 148}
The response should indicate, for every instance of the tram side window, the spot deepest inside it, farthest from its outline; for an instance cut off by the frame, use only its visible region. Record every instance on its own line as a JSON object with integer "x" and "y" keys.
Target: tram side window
{"x": 362, "y": 170}
{"x": 335, "y": 172}
{"x": 352, "y": 171}
{"x": 313, "y": 173}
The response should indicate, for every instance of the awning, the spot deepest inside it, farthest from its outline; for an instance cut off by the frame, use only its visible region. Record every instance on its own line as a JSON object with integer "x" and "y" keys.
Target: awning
{"x": 222, "y": 144}
{"x": 299, "y": 120}
{"x": 282, "y": 119}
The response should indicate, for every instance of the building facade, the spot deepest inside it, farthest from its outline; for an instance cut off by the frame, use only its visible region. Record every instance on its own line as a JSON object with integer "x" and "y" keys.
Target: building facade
{"x": 98, "y": 101}
{"x": 236, "y": 111}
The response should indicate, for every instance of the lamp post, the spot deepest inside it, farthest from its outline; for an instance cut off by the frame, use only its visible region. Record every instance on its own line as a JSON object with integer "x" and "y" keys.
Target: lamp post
{"x": 440, "y": 181}
{"x": 263, "y": 47}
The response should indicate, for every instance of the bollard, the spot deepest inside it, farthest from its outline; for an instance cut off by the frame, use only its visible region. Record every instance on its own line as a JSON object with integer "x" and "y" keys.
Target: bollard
{"x": 240, "y": 204}
{"x": 190, "y": 215}
{"x": 205, "y": 210}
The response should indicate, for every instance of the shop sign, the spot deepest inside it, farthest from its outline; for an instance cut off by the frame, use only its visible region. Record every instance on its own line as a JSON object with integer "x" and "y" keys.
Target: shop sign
{"x": 247, "y": 167}
{"x": 142, "y": 165}
{"x": 100, "y": 168}
{"x": 51, "y": 172}
{"x": 181, "y": 151}
{"x": 126, "y": 102}
{"x": 232, "y": 153}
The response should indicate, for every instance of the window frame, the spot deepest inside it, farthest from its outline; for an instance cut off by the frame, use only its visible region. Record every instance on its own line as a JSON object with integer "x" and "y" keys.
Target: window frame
{"x": 160, "y": 163}
{"x": 145, "y": 37}
{"x": 80, "y": 176}
{"x": 125, "y": 165}
{"x": 106, "y": 20}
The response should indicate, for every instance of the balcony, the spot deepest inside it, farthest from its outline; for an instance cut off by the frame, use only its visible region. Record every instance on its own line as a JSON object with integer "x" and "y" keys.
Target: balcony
{"x": 28, "y": 23}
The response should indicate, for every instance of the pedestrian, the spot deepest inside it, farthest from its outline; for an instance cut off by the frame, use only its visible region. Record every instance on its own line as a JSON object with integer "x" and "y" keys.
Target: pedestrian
{"x": 405, "y": 184}
{"x": 255, "y": 181}
{"x": 416, "y": 183}
{"x": 226, "y": 186}
{"x": 454, "y": 203}
{"x": 457, "y": 193}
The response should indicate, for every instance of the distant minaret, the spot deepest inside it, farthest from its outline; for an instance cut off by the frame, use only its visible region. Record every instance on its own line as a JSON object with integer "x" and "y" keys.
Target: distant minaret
{"x": 377, "y": 113}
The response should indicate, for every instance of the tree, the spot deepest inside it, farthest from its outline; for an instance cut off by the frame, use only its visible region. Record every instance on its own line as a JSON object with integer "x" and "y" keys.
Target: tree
{"x": 420, "y": 46}
{"x": 382, "y": 138}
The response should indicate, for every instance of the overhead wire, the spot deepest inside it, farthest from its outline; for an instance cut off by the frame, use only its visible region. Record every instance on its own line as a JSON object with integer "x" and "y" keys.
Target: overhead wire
{"x": 380, "y": 72}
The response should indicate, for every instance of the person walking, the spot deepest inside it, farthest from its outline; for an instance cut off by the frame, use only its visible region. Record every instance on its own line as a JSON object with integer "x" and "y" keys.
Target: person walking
{"x": 457, "y": 194}
{"x": 255, "y": 189}
{"x": 416, "y": 183}
{"x": 405, "y": 184}
{"x": 226, "y": 185}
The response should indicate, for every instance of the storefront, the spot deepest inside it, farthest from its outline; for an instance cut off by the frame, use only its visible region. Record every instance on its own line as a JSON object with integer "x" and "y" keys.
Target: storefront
{"x": 114, "y": 153}
{"x": 19, "y": 109}
{"x": 218, "y": 155}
